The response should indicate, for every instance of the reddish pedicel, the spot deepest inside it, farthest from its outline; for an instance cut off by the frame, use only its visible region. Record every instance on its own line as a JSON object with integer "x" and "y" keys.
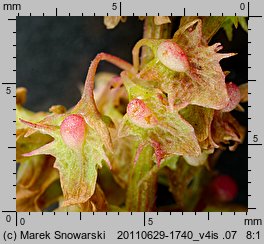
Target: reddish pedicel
{"x": 159, "y": 153}
{"x": 72, "y": 130}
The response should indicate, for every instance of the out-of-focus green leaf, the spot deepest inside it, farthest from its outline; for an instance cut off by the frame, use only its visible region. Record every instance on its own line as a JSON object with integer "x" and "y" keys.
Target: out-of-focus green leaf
{"x": 243, "y": 23}
{"x": 234, "y": 20}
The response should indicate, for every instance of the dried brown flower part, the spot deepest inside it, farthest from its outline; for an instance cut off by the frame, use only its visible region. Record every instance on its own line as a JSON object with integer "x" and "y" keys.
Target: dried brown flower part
{"x": 112, "y": 21}
{"x": 57, "y": 109}
{"x": 34, "y": 177}
{"x": 243, "y": 92}
{"x": 21, "y": 95}
{"x": 97, "y": 203}
{"x": 161, "y": 20}
{"x": 226, "y": 131}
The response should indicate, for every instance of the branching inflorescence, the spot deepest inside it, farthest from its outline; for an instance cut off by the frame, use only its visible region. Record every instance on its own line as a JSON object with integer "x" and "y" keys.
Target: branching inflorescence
{"x": 177, "y": 108}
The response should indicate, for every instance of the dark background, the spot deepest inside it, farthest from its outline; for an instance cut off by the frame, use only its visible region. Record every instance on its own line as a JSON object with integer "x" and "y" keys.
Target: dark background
{"x": 54, "y": 53}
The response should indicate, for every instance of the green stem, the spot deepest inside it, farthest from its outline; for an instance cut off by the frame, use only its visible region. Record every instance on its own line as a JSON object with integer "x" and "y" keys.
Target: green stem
{"x": 142, "y": 186}
{"x": 141, "y": 194}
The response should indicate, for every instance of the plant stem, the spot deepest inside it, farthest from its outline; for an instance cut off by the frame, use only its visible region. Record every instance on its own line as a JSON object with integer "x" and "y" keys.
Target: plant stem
{"x": 142, "y": 186}
{"x": 141, "y": 195}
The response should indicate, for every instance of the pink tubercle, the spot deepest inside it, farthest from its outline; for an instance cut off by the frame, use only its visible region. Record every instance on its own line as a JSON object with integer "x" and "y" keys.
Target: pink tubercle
{"x": 72, "y": 130}
{"x": 140, "y": 114}
{"x": 172, "y": 56}
{"x": 234, "y": 97}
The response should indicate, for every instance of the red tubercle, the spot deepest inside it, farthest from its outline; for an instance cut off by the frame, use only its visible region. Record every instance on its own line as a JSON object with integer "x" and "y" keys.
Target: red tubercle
{"x": 73, "y": 130}
{"x": 172, "y": 56}
{"x": 140, "y": 114}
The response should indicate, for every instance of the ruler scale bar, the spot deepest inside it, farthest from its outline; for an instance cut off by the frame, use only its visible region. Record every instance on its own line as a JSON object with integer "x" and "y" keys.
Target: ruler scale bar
{"x": 244, "y": 226}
